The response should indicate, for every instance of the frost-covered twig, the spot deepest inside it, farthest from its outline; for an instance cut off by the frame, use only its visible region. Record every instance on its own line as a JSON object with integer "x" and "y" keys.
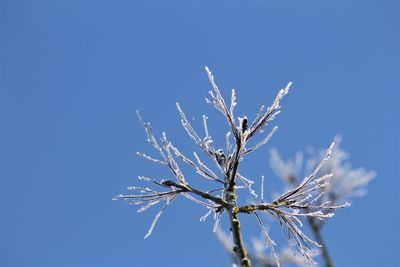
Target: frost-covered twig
{"x": 219, "y": 103}
{"x": 346, "y": 183}
{"x": 148, "y": 197}
{"x": 270, "y": 114}
{"x": 298, "y": 203}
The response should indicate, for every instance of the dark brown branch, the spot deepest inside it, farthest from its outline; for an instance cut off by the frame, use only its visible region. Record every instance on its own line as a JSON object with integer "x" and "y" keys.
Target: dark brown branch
{"x": 235, "y": 166}
{"x": 316, "y": 229}
{"x": 254, "y": 208}
{"x": 187, "y": 188}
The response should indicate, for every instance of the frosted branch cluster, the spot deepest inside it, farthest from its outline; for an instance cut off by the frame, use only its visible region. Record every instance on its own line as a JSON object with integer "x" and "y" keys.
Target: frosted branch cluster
{"x": 301, "y": 201}
{"x": 346, "y": 181}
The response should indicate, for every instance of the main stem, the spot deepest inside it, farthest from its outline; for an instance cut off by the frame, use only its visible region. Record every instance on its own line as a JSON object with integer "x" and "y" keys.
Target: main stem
{"x": 231, "y": 197}
{"x": 239, "y": 247}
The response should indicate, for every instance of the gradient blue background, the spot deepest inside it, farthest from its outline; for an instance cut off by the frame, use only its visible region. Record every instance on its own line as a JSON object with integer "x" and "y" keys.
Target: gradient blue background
{"x": 74, "y": 72}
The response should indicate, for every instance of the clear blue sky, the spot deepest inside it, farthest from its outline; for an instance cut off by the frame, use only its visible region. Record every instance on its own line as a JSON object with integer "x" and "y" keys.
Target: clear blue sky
{"x": 74, "y": 72}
